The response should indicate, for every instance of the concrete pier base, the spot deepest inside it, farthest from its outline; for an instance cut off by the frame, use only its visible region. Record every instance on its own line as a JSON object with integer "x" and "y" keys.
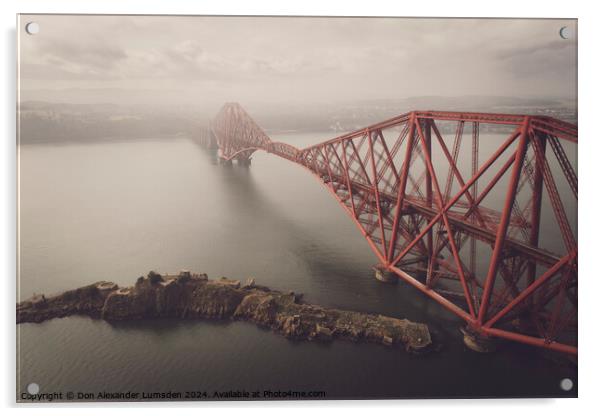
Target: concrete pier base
{"x": 384, "y": 275}
{"x": 476, "y": 341}
{"x": 244, "y": 162}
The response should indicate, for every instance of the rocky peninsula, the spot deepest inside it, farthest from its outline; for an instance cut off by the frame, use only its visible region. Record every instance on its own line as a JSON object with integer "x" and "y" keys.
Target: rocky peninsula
{"x": 194, "y": 296}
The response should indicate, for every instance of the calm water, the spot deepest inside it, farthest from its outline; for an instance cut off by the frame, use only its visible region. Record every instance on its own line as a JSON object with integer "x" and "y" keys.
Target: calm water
{"x": 114, "y": 211}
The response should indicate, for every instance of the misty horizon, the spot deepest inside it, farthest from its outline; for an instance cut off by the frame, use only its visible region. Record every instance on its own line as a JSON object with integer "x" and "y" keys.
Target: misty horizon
{"x": 266, "y": 61}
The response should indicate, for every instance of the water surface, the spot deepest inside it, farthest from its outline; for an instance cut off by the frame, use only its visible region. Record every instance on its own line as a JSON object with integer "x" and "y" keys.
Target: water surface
{"x": 115, "y": 210}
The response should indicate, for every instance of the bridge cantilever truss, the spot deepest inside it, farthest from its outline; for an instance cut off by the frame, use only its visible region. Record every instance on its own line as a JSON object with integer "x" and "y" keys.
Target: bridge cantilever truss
{"x": 488, "y": 238}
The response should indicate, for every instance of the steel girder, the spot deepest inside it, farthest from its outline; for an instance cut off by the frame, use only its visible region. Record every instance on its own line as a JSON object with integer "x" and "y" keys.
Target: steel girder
{"x": 476, "y": 227}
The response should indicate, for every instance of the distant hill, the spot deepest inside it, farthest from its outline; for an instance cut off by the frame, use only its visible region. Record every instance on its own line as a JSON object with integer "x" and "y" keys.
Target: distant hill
{"x": 42, "y": 121}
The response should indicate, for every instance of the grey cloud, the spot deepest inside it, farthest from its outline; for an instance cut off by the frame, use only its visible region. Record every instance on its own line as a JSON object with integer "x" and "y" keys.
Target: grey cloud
{"x": 302, "y": 58}
{"x": 96, "y": 54}
{"x": 556, "y": 57}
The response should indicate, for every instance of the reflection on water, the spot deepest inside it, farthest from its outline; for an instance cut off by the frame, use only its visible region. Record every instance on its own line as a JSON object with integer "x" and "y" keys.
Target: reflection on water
{"x": 114, "y": 211}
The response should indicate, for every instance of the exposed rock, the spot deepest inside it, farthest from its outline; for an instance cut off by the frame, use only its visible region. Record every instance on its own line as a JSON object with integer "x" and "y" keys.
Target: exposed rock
{"x": 250, "y": 283}
{"x": 87, "y": 300}
{"x": 229, "y": 282}
{"x": 323, "y": 332}
{"x": 194, "y": 296}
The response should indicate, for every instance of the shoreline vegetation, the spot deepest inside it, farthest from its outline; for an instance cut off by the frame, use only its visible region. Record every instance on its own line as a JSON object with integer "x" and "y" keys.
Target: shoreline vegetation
{"x": 194, "y": 296}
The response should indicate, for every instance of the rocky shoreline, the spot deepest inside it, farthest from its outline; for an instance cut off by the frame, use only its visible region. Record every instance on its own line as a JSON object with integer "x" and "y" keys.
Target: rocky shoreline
{"x": 194, "y": 296}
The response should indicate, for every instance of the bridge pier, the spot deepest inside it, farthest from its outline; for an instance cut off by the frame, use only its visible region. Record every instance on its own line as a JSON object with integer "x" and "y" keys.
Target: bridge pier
{"x": 383, "y": 275}
{"x": 244, "y": 162}
{"x": 477, "y": 342}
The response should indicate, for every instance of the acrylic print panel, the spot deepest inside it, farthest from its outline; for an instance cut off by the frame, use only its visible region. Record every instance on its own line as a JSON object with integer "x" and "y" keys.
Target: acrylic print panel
{"x": 310, "y": 208}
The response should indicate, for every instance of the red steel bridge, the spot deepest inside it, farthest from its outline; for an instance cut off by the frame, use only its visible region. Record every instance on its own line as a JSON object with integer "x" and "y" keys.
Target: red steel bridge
{"x": 475, "y": 210}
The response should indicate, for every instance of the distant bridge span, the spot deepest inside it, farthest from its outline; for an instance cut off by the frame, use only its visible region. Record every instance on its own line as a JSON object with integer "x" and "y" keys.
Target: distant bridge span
{"x": 486, "y": 237}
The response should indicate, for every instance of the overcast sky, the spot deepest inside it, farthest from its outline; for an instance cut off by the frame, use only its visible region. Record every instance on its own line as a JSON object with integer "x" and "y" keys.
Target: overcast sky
{"x": 186, "y": 59}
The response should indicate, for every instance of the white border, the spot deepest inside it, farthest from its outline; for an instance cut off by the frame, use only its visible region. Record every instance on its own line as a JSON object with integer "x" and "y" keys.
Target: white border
{"x": 589, "y": 157}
